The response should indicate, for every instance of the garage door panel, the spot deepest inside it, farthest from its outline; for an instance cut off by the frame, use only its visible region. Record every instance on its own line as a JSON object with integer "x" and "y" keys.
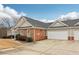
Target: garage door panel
{"x": 76, "y": 35}
{"x": 62, "y": 35}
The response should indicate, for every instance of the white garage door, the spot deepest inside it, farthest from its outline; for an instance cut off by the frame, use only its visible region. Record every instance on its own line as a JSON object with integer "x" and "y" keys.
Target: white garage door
{"x": 76, "y": 35}
{"x": 61, "y": 35}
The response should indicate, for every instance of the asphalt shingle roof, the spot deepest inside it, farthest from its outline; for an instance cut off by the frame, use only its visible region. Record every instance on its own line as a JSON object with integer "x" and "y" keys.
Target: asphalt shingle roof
{"x": 71, "y": 22}
{"x": 37, "y": 23}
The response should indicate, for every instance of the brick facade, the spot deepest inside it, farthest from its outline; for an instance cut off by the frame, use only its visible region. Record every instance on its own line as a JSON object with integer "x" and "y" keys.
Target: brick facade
{"x": 40, "y": 34}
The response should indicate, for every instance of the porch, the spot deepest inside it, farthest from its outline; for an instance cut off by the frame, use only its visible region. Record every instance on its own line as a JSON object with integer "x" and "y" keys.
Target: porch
{"x": 36, "y": 34}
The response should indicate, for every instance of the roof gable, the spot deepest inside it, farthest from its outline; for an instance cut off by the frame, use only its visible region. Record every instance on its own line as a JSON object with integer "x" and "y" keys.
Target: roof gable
{"x": 76, "y": 24}
{"x": 58, "y": 24}
{"x": 71, "y": 22}
{"x": 36, "y": 23}
{"x": 22, "y": 23}
{"x": 26, "y": 24}
{"x": 26, "y": 21}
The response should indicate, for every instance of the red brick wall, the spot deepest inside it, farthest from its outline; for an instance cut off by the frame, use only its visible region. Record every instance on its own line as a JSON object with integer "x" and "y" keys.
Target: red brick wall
{"x": 39, "y": 33}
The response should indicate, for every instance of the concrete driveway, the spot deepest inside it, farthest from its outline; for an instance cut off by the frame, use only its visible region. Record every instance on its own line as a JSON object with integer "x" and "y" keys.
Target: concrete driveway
{"x": 47, "y": 47}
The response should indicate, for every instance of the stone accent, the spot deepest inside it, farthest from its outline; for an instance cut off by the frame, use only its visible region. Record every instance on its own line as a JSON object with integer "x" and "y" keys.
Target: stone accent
{"x": 70, "y": 38}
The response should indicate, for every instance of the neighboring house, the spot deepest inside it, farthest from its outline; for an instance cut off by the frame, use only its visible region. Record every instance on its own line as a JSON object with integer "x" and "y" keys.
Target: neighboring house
{"x": 64, "y": 30}
{"x": 31, "y": 28}
{"x": 3, "y": 31}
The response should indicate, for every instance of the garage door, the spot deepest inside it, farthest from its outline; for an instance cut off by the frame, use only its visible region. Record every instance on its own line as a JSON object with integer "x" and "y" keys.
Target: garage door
{"x": 61, "y": 35}
{"x": 76, "y": 35}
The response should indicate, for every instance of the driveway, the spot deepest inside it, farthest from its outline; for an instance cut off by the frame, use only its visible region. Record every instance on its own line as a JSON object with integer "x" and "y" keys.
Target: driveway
{"x": 47, "y": 47}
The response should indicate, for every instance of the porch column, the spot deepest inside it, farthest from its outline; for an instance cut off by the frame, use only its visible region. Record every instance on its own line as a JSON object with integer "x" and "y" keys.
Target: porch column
{"x": 15, "y": 33}
{"x": 14, "y": 36}
{"x": 27, "y": 32}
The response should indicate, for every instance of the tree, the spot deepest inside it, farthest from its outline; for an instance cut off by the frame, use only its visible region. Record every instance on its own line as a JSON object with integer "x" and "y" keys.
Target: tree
{"x": 8, "y": 24}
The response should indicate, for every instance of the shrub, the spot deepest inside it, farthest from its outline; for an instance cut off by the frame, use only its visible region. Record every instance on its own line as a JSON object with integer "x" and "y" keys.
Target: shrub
{"x": 29, "y": 39}
{"x": 4, "y": 37}
{"x": 21, "y": 38}
{"x": 9, "y": 37}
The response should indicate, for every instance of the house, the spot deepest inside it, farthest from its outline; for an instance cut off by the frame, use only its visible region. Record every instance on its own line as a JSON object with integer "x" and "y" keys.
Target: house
{"x": 60, "y": 30}
{"x": 31, "y": 28}
{"x": 64, "y": 30}
{"x": 3, "y": 30}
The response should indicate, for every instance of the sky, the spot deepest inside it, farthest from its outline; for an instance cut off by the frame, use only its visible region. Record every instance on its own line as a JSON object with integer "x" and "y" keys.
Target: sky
{"x": 46, "y": 11}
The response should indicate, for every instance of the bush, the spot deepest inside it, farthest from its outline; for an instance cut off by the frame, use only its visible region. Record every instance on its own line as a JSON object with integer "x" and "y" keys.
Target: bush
{"x": 29, "y": 39}
{"x": 4, "y": 37}
{"x": 21, "y": 38}
{"x": 9, "y": 37}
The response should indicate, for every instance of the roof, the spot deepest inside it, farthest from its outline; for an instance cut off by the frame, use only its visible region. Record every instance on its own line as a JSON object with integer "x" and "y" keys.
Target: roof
{"x": 71, "y": 22}
{"x": 37, "y": 23}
